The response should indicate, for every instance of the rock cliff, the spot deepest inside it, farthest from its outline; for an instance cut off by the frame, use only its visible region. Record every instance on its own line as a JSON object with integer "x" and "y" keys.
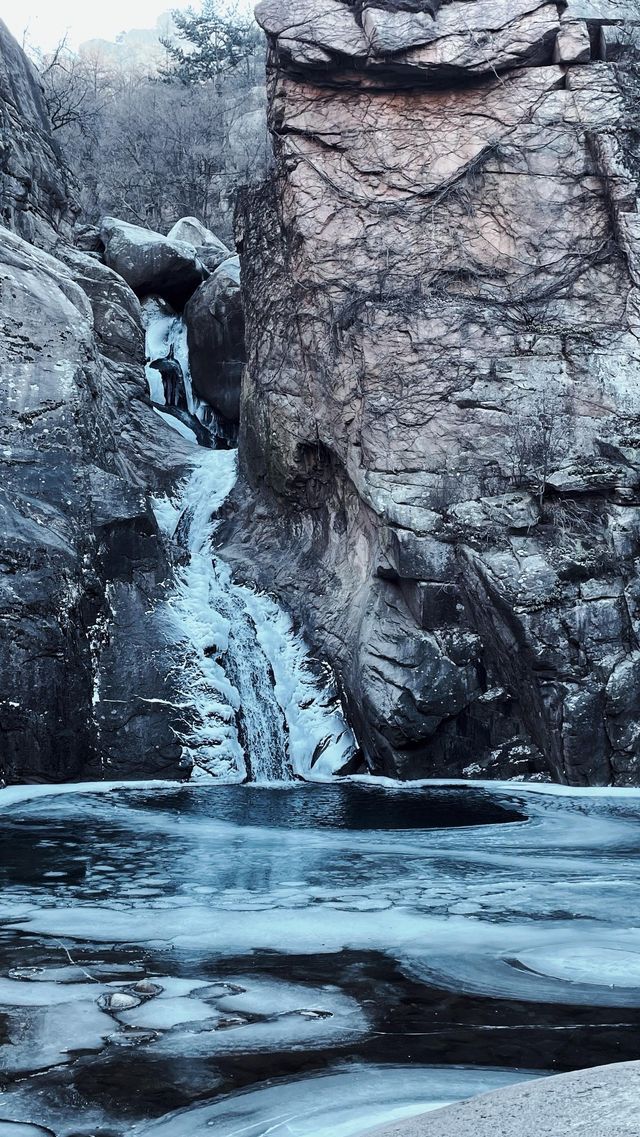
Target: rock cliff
{"x": 441, "y": 407}
{"x": 86, "y": 685}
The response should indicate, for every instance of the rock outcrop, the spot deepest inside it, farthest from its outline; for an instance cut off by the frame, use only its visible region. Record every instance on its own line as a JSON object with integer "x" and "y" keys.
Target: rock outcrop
{"x": 441, "y": 406}
{"x": 214, "y": 318}
{"x": 86, "y": 682}
{"x": 591, "y": 1102}
{"x": 210, "y": 251}
{"x": 151, "y": 264}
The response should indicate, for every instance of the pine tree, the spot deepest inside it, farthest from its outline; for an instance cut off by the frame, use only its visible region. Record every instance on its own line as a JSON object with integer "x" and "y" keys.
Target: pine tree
{"x": 216, "y": 40}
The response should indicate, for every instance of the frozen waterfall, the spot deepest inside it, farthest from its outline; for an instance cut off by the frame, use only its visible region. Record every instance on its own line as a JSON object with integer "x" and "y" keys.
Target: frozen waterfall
{"x": 257, "y": 706}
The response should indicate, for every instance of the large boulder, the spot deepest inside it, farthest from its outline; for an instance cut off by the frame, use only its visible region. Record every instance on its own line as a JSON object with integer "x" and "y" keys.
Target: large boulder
{"x": 215, "y": 328}
{"x": 211, "y": 252}
{"x": 441, "y": 403}
{"x": 151, "y": 263}
{"x": 87, "y": 677}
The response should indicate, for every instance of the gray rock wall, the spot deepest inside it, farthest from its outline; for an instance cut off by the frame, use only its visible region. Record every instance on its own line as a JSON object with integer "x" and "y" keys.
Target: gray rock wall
{"x": 442, "y": 400}
{"x": 86, "y": 686}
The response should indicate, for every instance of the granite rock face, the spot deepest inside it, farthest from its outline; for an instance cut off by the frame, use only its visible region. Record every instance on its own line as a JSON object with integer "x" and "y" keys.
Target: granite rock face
{"x": 86, "y": 680}
{"x": 441, "y": 407}
{"x": 590, "y": 1102}
{"x": 210, "y": 250}
{"x": 215, "y": 328}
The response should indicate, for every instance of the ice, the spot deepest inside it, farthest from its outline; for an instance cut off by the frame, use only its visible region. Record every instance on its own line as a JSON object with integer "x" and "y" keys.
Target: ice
{"x": 233, "y": 902}
{"x": 281, "y": 1016}
{"x": 178, "y": 425}
{"x": 166, "y": 330}
{"x": 342, "y": 1102}
{"x": 17, "y": 795}
{"x": 252, "y": 683}
{"x": 40, "y": 1037}
{"x": 22, "y": 1129}
{"x": 504, "y": 910}
{"x": 25, "y": 993}
{"x": 310, "y": 702}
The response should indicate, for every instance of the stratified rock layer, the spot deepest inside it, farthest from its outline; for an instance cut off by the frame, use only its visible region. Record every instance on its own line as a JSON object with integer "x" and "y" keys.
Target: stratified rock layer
{"x": 441, "y": 407}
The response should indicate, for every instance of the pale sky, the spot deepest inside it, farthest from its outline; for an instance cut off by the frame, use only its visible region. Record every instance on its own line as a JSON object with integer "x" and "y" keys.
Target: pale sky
{"x": 47, "y": 21}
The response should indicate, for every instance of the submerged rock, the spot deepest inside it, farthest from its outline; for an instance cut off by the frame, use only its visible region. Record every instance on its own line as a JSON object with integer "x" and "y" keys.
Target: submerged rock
{"x": 119, "y": 1001}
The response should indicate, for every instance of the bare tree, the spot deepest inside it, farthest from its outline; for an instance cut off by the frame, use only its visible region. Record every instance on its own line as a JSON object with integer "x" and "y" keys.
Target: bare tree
{"x": 152, "y": 151}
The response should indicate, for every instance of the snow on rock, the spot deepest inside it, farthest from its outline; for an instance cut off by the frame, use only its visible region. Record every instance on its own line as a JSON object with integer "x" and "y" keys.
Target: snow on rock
{"x": 210, "y": 250}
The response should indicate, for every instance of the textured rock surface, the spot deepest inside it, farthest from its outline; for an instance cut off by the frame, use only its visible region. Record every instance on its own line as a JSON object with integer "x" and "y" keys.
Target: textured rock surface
{"x": 590, "y": 1103}
{"x": 215, "y": 328}
{"x": 151, "y": 264}
{"x": 36, "y": 194}
{"x": 211, "y": 252}
{"x": 441, "y": 405}
{"x": 82, "y": 569}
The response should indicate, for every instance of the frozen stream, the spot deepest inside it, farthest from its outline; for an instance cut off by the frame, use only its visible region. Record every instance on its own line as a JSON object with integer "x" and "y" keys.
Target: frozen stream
{"x": 257, "y": 705}
{"x": 306, "y": 960}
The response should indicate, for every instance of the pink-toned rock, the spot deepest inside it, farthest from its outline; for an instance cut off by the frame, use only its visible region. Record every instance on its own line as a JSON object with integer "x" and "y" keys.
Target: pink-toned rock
{"x": 442, "y": 293}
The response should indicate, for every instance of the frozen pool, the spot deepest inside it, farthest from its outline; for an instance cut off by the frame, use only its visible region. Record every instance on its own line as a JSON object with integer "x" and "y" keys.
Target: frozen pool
{"x": 306, "y": 960}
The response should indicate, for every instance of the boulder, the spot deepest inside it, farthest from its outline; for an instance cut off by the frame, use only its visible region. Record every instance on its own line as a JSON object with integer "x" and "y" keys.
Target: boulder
{"x": 211, "y": 252}
{"x": 151, "y": 263}
{"x": 215, "y": 328}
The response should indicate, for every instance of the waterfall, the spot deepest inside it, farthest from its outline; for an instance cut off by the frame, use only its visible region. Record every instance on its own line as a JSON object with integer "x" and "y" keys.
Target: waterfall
{"x": 256, "y": 705}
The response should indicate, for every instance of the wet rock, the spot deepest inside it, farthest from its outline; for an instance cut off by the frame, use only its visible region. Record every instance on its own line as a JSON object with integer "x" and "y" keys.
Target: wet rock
{"x": 215, "y": 327}
{"x": 119, "y": 1001}
{"x": 147, "y": 988}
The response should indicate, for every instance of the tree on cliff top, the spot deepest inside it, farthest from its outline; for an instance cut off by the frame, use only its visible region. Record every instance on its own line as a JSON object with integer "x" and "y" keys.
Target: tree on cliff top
{"x": 216, "y": 39}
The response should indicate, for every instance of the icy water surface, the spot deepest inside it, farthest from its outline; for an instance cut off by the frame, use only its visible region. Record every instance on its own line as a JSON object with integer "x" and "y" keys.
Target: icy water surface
{"x": 306, "y": 960}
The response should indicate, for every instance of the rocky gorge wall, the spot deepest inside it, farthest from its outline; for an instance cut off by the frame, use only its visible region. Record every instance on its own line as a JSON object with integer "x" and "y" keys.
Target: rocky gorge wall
{"x": 87, "y": 688}
{"x": 441, "y": 406}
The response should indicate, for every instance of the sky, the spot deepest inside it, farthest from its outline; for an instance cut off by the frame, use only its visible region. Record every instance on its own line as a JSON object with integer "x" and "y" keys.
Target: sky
{"x": 47, "y": 21}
